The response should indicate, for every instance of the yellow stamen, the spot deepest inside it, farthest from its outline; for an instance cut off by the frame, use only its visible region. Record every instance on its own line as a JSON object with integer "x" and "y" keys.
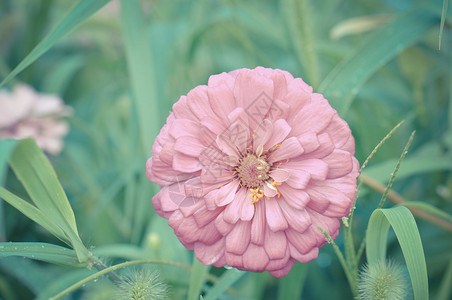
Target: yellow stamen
{"x": 257, "y": 195}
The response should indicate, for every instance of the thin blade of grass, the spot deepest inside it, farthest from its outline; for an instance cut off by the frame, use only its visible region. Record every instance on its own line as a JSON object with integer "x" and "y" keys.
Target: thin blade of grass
{"x": 443, "y": 20}
{"x": 34, "y": 214}
{"x": 196, "y": 279}
{"x": 225, "y": 281}
{"x": 402, "y": 222}
{"x": 38, "y": 177}
{"x": 343, "y": 83}
{"x": 140, "y": 65}
{"x": 41, "y": 251}
{"x": 291, "y": 286}
{"x": 79, "y": 13}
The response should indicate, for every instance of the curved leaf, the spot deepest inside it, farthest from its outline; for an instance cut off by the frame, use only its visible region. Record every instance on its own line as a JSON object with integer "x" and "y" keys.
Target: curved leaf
{"x": 402, "y": 222}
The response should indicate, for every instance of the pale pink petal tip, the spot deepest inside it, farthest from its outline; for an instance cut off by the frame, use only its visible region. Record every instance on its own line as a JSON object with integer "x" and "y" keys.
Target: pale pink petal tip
{"x": 250, "y": 165}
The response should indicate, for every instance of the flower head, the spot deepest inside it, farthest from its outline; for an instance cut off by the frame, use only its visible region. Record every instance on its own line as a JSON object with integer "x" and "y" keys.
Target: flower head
{"x": 26, "y": 114}
{"x": 249, "y": 166}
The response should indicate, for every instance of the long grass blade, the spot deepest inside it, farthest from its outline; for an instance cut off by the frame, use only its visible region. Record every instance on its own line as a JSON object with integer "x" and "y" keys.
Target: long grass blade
{"x": 41, "y": 251}
{"x": 79, "y": 13}
{"x": 402, "y": 222}
{"x": 343, "y": 83}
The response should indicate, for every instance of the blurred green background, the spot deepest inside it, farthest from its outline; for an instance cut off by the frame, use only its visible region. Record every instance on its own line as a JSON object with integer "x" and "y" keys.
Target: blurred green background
{"x": 378, "y": 62}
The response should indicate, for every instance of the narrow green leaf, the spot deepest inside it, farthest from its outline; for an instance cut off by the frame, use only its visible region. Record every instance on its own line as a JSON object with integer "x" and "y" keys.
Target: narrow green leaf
{"x": 196, "y": 279}
{"x": 402, "y": 222}
{"x": 34, "y": 214}
{"x": 6, "y": 147}
{"x": 81, "y": 11}
{"x": 38, "y": 177}
{"x": 445, "y": 289}
{"x": 344, "y": 81}
{"x": 298, "y": 14}
{"x": 291, "y": 286}
{"x": 430, "y": 209}
{"x": 226, "y": 281}
{"x": 141, "y": 71}
{"x": 41, "y": 251}
{"x": 443, "y": 20}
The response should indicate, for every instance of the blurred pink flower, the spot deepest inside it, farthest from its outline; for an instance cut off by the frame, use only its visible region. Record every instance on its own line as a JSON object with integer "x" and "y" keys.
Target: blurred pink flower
{"x": 26, "y": 114}
{"x": 249, "y": 166}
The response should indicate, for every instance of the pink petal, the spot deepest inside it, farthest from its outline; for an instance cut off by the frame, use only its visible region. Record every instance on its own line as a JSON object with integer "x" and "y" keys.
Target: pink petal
{"x": 309, "y": 141}
{"x": 239, "y": 238}
{"x": 313, "y": 117}
{"x": 279, "y": 175}
{"x": 339, "y": 131}
{"x": 258, "y": 224}
{"x": 232, "y": 211}
{"x": 188, "y": 145}
{"x": 289, "y": 148}
{"x": 227, "y": 146}
{"x": 209, "y": 254}
{"x": 181, "y": 110}
{"x": 198, "y": 102}
{"x": 278, "y": 110}
{"x": 222, "y": 101}
{"x": 295, "y": 198}
{"x": 247, "y": 211}
{"x": 209, "y": 234}
{"x": 298, "y": 219}
{"x": 213, "y": 124}
{"x": 234, "y": 260}
{"x": 183, "y": 127}
{"x": 188, "y": 231}
{"x": 317, "y": 169}
{"x": 303, "y": 242}
{"x": 278, "y": 264}
{"x": 298, "y": 179}
{"x": 184, "y": 163}
{"x": 222, "y": 226}
{"x": 214, "y": 174}
{"x": 275, "y": 218}
{"x": 339, "y": 163}
{"x": 275, "y": 244}
{"x": 190, "y": 205}
{"x": 255, "y": 259}
{"x": 284, "y": 271}
{"x": 306, "y": 257}
{"x": 326, "y": 147}
{"x": 205, "y": 216}
{"x": 269, "y": 192}
{"x": 255, "y": 94}
{"x": 227, "y": 193}
{"x": 262, "y": 133}
{"x": 280, "y": 131}
{"x": 329, "y": 201}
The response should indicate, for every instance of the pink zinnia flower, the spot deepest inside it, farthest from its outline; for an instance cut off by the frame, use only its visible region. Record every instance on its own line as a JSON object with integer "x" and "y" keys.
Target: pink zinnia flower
{"x": 24, "y": 113}
{"x": 249, "y": 166}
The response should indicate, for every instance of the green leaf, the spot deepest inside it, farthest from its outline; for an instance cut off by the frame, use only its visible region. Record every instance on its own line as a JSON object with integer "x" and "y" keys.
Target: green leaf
{"x": 140, "y": 65}
{"x": 34, "y": 214}
{"x": 38, "y": 177}
{"x": 79, "y": 13}
{"x": 6, "y": 147}
{"x": 41, "y": 251}
{"x": 226, "y": 281}
{"x": 430, "y": 209}
{"x": 196, "y": 279}
{"x": 402, "y": 222}
{"x": 344, "y": 81}
{"x": 291, "y": 286}
{"x": 443, "y": 20}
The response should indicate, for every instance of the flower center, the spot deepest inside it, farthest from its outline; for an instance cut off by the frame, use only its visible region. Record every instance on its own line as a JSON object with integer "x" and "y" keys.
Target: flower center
{"x": 252, "y": 170}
